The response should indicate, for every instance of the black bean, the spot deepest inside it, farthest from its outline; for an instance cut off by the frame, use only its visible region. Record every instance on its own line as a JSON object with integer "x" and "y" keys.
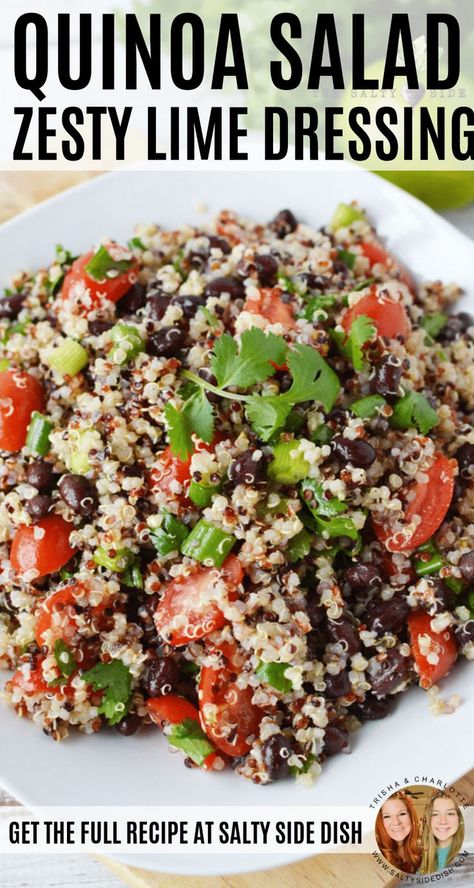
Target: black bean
{"x": 38, "y": 506}
{"x": 135, "y": 471}
{"x": 283, "y": 223}
{"x": 267, "y": 268}
{"x": 316, "y": 643}
{"x": 220, "y": 242}
{"x": 465, "y": 458}
{"x": 188, "y": 304}
{"x": 337, "y": 685}
{"x": 10, "y": 306}
{"x": 79, "y": 494}
{"x": 355, "y": 451}
{"x": 387, "y": 376}
{"x": 315, "y": 610}
{"x": 371, "y": 709}
{"x": 362, "y": 576}
{"x": 129, "y": 725}
{"x": 275, "y": 754}
{"x": 156, "y": 304}
{"x": 133, "y": 300}
{"x": 40, "y": 474}
{"x": 206, "y": 374}
{"x": 456, "y": 325}
{"x": 230, "y": 285}
{"x": 99, "y": 326}
{"x": 466, "y": 566}
{"x": 161, "y": 676}
{"x": 335, "y": 740}
{"x": 464, "y": 634}
{"x": 387, "y": 671}
{"x": 443, "y": 597}
{"x": 167, "y": 342}
{"x": 342, "y": 631}
{"x": 386, "y": 616}
{"x": 315, "y": 281}
{"x": 245, "y": 469}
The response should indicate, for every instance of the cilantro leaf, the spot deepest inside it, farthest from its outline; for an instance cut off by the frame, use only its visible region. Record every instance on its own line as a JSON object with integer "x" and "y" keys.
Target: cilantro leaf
{"x": 299, "y": 546}
{"x": 434, "y": 323}
{"x": 327, "y": 513}
{"x": 368, "y": 407}
{"x": 347, "y": 257}
{"x": 313, "y": 378}
{"x": 189, "y": 736}
{"x": 115, "y": 680}
{"x": 414, "y": 410}
{"x": 267, "y": 414}
{"x": 64, "y": 661}
{"x": 103, "y": 262}
{"x": 135, "y": 243}
{"x": 318, "y": 303}
{"x": 273, "y": 674}
{"x": 169, "y": 536}
{"x": 252, "y": 363}
{"x": 350, "y": 344}
{"x": 195, "y": 417}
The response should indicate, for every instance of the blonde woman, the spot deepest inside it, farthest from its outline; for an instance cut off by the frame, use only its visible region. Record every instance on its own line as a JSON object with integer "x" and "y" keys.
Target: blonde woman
{"x": 443, "y": 832}
{"x": 397, "y": 833}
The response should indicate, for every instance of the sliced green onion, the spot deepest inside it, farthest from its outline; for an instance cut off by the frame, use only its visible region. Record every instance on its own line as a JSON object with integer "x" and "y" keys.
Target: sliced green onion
{"x": 79, "y": 463}
{"x": 368, "y": 407}
{"x": 118, "y": 563}
{"x": 201, "y": 494}
{"x": 433, "y": 565}
{"x": 454, "y": 584}
{"x": 132, "y": 576}
{"x": 68, "y": 358}
{"x": 273, "y": 674}
{"x": 208, "y": 544}
{"x": 344, "y": 215}
{"x": 4, "y": 365}
{"x": 127, "y": 343}
{"x": 299, "y": 546}
{"x": 169, "y": 537}
{"x": 39, "y": 429}
{"x": 347, "y": 257}
{"x": 102, "y": 263}
{"x": 287, "y": 467}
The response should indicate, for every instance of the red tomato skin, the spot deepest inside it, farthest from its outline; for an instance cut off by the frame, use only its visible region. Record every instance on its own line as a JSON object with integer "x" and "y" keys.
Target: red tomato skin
{"x": 20, "y": 394}
{"x": 236, "y": 708}
{"x": 169, "y": 468}
{"x": 271, "y": 307}
{"x": 419, "y": 624}
{"x": 112, "y": 288}
{"x": 389, "y": 317}
{"x": 181, "y": 597}
{"x": 431, "y": 501}
{"x": 46, "y": 555}
{"x": 376, "y": 255}
{"x": 34, "y": 684}
{"x": 59, "y": 601}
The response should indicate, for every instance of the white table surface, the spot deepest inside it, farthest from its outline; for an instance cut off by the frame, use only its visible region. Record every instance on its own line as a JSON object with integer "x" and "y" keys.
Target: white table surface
{"x": 80, "y": 870}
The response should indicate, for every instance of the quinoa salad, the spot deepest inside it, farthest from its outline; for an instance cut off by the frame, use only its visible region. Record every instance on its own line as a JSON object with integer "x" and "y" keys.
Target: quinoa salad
{"x": 235, "y": 489}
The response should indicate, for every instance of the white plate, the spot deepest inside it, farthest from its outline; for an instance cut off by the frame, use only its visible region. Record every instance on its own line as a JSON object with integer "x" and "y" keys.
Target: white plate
{"x": 107, "y": 768}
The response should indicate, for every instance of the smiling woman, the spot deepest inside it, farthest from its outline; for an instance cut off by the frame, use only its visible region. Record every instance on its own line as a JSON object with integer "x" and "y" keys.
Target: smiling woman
{"x": 443, "y": 832}
{"x": 397, "y": 832}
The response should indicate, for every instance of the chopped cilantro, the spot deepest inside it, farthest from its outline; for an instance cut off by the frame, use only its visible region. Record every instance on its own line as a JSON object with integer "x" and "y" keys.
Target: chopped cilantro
{"x": 191, "y": 739}
{"x": 414, "y": 410}
{"x": 273, "y": 674}
{"x": 350, "y": 345}
{"x": 65, "y": 662}
{"x": 347, "y": 257}
{"x": 115, "y": 680}
{"x": 434, "y": 323}
{"x": 102, "y": 263}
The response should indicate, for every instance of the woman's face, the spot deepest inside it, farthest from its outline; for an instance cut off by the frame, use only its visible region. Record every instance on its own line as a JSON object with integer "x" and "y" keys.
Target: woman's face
{"x": 444, "y": 820}
{"x": 396, "y": 819}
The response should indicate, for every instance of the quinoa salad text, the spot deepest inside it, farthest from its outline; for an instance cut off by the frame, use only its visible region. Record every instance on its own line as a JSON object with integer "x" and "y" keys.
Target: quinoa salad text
{"x": 236, "y": 492}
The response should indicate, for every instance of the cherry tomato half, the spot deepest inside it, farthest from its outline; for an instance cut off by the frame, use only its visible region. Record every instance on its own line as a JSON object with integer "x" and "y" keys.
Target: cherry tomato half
{"x": 187, "y": 612}
{"x": 32, "y": 683}
{"x": 232, "y": 717}
{"x": 426, "y": 644}
{"x": 20, "y": 395}
{"x": 271, "y": 306}
{"x": 389, "y": 317}
{"x": 169, "y": 468}
{"x": 112, "y": 288}
{"x": 173, "y": 709}
{"x": 430, "y": 501}
{"x": 58, "y": 613}
{"x": 378, "y": 256}
{"x": 43, "y": 552}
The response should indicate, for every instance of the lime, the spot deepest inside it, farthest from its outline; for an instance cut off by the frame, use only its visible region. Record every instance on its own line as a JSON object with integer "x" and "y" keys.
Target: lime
{"x": 440, "y": 189}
